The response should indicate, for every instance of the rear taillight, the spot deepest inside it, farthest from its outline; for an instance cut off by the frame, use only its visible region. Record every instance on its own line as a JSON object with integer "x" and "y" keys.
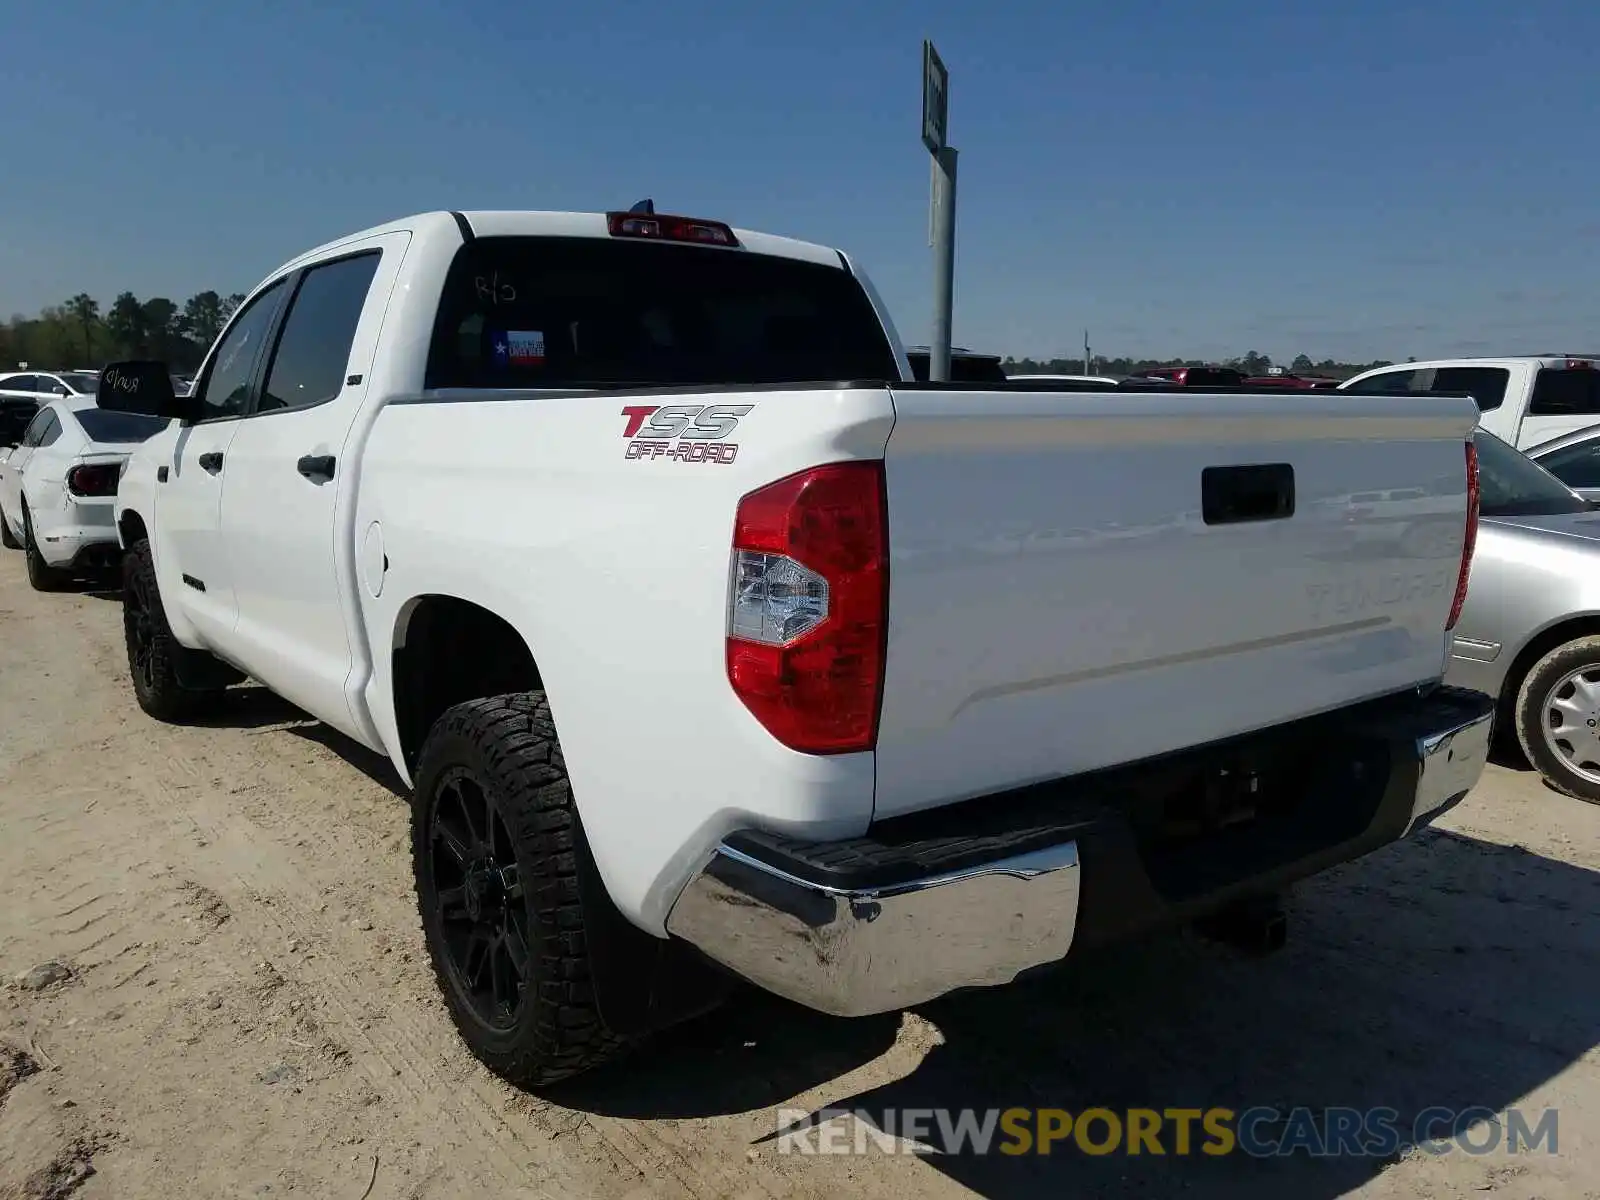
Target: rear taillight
{"x": 93, "y": 479}
{"x": 1471, "y": 540}
{"x": 807, "y": 606}
{"x": 670, "y": 229}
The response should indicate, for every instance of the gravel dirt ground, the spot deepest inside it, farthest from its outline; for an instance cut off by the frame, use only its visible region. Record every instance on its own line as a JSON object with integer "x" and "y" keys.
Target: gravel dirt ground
{"x": 248, "y": 1011}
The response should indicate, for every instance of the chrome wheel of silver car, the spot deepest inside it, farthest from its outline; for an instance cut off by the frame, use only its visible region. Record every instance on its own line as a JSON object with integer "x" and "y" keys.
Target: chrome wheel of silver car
{"x": 1572, "y": 720}
{"x": 1556, "y": 714}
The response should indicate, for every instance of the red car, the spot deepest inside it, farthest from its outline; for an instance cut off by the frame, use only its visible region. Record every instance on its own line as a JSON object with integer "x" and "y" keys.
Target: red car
{"x": 1195, "y": 377}
{"x": 1298, "y": 382}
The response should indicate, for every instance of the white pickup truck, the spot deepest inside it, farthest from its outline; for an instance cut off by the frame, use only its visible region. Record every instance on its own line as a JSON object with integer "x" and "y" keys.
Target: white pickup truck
{"x": 713, "y": 645}
{"x": 1524, "y": 400}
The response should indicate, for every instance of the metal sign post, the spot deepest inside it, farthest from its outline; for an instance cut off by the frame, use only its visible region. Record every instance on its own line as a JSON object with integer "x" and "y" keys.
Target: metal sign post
{"x": 935, "y": 124}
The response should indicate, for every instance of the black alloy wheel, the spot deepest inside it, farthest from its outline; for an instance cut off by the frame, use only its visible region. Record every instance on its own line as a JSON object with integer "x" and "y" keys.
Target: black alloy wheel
{"x": 480, "y": 904}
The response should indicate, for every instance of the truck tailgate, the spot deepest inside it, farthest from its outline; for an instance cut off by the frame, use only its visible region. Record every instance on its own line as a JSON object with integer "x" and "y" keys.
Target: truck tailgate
{"x": 1064, "y": 597}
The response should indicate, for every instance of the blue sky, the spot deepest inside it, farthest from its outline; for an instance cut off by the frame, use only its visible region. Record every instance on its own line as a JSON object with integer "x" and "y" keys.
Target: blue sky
{"x": 1354, "y": 179}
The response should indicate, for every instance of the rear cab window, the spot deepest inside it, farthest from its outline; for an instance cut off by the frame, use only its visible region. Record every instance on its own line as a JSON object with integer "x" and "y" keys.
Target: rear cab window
{"x": 581, "y": 313}
{"x": 1564, "y": 393}
{"x": 117, "y": 428}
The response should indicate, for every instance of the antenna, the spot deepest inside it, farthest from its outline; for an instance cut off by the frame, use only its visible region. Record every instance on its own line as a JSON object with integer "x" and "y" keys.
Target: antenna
{"x": 645, "y": 208}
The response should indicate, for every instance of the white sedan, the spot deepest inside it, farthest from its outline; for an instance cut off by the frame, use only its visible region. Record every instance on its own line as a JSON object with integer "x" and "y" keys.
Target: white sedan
{"x": 58, "y": 487}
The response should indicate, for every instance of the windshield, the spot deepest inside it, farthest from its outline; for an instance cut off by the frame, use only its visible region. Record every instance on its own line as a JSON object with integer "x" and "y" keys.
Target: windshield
{"x": 103, "y": 425}
{"x": 80, "y": 383}
{"x": 1512, "y": 485}
{"x": 555, "y": 312}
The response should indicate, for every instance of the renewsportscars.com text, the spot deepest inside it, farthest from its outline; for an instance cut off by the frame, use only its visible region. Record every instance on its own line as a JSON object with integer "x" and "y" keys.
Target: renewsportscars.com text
{"x": 1260, "y": 1132}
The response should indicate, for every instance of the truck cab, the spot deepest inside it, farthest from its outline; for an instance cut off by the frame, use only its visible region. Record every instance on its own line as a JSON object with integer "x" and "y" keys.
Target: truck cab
{"x": 1524, "y": 400}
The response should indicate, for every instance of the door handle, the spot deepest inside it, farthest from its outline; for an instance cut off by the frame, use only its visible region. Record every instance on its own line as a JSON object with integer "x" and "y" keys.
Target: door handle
{"x": 211, "y": 462}
{"x": 316, "y": 467}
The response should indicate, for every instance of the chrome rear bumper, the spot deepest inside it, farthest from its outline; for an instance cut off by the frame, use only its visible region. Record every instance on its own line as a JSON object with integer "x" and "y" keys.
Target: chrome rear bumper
{"x": 856, "y": 951}
{"x": 856, "y": 928}
{"x": 1451, "y": 760}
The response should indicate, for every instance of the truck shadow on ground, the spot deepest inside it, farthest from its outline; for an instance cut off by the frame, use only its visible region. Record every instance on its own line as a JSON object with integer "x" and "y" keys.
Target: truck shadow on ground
{"x": 253, "y": 707}
{"x": 1444, "y": 972}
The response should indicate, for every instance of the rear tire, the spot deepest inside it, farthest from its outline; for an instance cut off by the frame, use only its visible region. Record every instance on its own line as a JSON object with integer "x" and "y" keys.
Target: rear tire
{"x": 7, "y": 538}
{"x": 497, "y": 849}
{"x": 1562, "y": 691}
{"x": 41, "y": 575}
{"x": 153, "y": 652}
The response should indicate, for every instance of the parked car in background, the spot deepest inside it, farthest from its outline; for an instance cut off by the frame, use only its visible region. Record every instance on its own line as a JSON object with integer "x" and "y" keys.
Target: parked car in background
{"x": 1574, "y": 459}
{"x": 1529, "y": 632}
{"x": 15, "y": 413}
{"x": 966, "y": 366}
{"x": 1523, "y": 400}
{"x": 1292, "y": 382}
{"x": 47, "y": 385}
{"x": 58, "y": 487}
{"x": 22, "y": 392}
{"x": 1194, "y": 377}
{"x": 1109, "y": 381}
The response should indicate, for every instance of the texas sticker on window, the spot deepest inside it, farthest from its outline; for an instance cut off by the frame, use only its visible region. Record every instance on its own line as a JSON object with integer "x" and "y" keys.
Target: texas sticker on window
{"x": 519, "y": 348}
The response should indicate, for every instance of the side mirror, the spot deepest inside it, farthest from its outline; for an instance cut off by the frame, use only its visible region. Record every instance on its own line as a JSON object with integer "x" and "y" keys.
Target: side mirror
{"x": 139, "y": 386}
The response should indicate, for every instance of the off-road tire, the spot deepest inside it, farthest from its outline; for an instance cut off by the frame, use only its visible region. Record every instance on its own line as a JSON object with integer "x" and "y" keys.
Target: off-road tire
{"x": 155, "y": 680}
{"x": 42, "y": 577}
{"x": 7, "y": 538}
{"x": 507, "y": 747}
{"x": 1530, "y": 715}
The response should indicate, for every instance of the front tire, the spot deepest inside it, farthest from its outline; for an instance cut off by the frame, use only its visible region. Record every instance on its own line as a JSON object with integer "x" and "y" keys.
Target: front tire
{"x": 41, "y": 575}
{"x": 7, "y": 538}
{"x": 1558, "y": 718}
{"x": 153, "y": 652}
{"x": 497, "y": 849}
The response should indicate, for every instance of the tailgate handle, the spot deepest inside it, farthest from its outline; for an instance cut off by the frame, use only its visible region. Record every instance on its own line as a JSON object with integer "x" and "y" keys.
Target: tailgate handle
{"x": 1255, "y": 492}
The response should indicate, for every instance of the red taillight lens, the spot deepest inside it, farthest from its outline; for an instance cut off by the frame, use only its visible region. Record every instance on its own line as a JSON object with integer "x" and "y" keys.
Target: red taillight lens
{"x": 670, "y": 229}
{"x": 94, "y": 479}
{"x": 807, "y": 606}
{"x": 1471, "y": 540}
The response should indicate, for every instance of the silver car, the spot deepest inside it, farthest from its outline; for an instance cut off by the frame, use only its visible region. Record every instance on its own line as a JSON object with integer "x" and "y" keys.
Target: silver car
{"x": 1529, "y": 632}
{"x": 1574, "y": 459}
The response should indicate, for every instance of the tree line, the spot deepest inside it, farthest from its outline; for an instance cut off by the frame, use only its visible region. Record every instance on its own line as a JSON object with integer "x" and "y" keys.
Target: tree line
{"x": 78, "y": 333}
{"x": 1253, "y": 363}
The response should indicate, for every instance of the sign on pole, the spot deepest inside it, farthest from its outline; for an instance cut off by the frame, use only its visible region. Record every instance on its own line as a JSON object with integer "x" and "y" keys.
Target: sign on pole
{"x": 935, "y": 98}
{"x": 941, "y": 206}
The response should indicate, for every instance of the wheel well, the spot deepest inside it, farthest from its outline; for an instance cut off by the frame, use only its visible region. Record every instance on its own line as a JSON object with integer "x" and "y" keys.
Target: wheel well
{"x": 1540, "y": 645}
{"x": 449, "y": 650}
{"x": 131, "y": 527}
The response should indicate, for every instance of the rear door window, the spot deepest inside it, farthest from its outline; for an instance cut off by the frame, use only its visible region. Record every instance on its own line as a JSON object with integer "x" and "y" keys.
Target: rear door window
{"x": 529, "y": 312}
{"x": 1565, "y": 393}
{"x": 36, "y": 427}
{"x": 1486, "y": 385}
{"x": 19, "y": 383}
{"x": 1384, "y": 381}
